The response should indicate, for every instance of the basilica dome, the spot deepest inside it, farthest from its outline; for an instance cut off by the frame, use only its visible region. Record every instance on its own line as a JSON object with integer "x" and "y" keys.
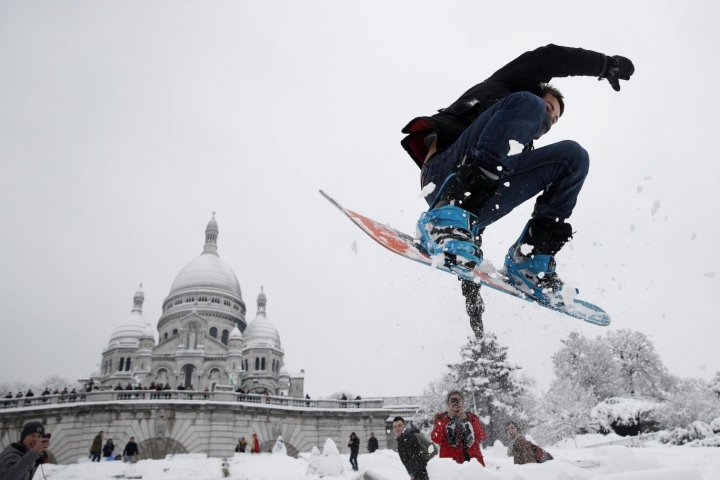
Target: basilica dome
{"x": 208, "y": 271}
{"x": 261, "y": 332}
{"x": 130, "y": 331}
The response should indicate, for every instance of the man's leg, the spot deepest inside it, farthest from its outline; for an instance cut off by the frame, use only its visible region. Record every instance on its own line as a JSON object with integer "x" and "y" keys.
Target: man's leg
{"x": 466, "y": 176}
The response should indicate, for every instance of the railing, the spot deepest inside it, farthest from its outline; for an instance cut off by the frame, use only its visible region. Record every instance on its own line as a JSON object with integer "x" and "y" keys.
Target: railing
{"x": 185, "y": 395}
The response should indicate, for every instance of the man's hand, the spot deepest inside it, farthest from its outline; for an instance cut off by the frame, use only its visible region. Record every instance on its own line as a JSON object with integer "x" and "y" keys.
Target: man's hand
{"x": 41, "y": 445}
{"x": 617, "y": 68}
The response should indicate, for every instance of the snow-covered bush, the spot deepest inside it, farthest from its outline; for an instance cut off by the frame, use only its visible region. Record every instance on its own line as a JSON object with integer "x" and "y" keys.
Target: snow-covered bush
{"x": 690, "y": 400}
{"x": 625, "y": 415}
{"x": 692, "y": 433}
{"x": 715, "y": 425}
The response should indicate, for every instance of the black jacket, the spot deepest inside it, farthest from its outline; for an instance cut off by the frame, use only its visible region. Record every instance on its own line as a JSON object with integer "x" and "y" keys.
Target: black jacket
{"x": 131, "y": 448}
{"x": 410, "y": 451}
{"x": 372, "y": 444}
{"x": 525, "y": 73}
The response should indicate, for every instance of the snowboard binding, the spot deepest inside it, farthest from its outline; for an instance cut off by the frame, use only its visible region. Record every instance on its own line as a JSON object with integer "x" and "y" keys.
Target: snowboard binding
{"x": 453, "y": 233}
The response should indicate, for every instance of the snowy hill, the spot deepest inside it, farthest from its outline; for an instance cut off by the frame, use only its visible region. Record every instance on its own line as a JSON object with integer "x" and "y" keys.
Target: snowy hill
{"x": 652, "y": 461}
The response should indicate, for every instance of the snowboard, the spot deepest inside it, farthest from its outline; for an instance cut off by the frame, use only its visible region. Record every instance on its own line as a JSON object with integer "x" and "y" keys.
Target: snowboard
{"x": 485, "y": 274}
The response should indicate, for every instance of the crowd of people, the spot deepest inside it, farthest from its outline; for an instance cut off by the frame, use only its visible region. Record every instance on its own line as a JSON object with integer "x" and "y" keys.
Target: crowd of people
{"x": 456, "y": 434}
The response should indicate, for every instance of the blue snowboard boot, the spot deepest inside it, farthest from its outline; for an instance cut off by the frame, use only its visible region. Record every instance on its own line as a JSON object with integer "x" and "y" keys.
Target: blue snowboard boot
{"x": 452, "y": 232}
{"x": 449, "y": 227}
{"x": 530, "y": 262}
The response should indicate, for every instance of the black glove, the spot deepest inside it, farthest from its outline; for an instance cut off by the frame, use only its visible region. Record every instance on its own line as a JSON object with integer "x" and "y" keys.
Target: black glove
{"x": 617, "y": 68}
{"x": 468, "y": 435}
{"x": 452, "y": 433}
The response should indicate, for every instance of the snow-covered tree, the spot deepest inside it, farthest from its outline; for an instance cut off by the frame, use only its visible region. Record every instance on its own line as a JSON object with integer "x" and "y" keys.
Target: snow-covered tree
{"x": 715, "y": 385}
{"x": 690, "y": 400}
{"x": 489, "y": 384}
{"x": 565, "y": 410}
{"x": 589, "y": 364}
{"x": 641, "y": 369}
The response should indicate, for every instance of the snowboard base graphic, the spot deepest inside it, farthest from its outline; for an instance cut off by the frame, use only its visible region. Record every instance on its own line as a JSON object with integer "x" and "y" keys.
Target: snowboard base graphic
{"x": 406, "y": 246}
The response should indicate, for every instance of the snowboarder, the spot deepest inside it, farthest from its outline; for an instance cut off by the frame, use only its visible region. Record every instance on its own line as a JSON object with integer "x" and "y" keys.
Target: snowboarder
{"x": 464, "y": 151}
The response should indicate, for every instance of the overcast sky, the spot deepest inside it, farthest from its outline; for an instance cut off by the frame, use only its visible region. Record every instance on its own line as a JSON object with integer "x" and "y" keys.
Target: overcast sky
{"x": 125, "y": 124}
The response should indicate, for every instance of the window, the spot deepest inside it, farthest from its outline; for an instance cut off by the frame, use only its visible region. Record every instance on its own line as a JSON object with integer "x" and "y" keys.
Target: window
{"x": 166, "y": 335}
{"x": 215, "y": 300}
{"x": 122, "y": 364}
{"x": 226, "y": 303}
{"x": 213, "y": 332}
{"x": 262, "y": 364}
{"x": 224, "y": 339}
{"x": 127, "y": 364}
{"x": 175, "y": 332}
{"x": 257, "y": 364}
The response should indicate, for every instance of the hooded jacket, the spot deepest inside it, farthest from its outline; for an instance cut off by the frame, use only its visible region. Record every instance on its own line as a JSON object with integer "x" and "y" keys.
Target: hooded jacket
{"x": 526, "y": 73}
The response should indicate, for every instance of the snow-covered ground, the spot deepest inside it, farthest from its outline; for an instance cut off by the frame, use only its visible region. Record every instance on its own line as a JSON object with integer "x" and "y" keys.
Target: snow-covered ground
{"x": 613, "y": 462}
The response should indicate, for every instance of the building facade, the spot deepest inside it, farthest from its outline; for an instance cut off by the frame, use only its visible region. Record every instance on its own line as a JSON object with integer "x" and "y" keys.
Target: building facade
{"x": 203, "y": 337}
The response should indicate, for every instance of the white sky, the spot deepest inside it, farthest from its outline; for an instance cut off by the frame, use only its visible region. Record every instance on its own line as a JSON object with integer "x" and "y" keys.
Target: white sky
{"x": 123, "y": 125}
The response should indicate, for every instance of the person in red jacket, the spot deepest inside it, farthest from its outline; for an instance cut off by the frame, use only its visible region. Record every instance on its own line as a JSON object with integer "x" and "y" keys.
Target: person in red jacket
{"x": 255, "y": 444}
{"x": 459, "y": 433}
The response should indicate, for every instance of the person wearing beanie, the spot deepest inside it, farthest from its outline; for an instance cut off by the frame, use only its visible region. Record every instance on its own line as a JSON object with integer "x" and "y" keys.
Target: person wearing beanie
{"x": 18, "y": 461}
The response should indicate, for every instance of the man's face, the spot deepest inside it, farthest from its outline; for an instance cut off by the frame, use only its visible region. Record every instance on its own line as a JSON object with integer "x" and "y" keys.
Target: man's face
{"x": 398, "y": 428}
{"x": 456, "y": 405}
{"x": 552, "y": 107}
{"x": 31, "y": 440}
{"x": 511, "y": 431}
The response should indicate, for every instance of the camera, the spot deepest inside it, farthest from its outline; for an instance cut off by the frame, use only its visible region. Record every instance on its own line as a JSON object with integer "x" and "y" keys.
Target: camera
{"x": 46, "y": 435}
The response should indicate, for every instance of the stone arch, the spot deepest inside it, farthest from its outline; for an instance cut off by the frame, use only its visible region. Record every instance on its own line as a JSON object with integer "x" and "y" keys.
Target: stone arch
{"x": 158, "y": 448}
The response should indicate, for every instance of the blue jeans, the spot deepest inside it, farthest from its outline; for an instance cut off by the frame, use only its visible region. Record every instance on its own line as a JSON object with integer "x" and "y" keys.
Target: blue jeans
{"x": 558, "y": 169}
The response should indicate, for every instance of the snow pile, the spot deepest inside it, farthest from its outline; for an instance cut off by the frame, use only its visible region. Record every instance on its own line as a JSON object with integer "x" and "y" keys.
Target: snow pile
{"x": 652, "y": 461}
{"x": 327, "y": 464}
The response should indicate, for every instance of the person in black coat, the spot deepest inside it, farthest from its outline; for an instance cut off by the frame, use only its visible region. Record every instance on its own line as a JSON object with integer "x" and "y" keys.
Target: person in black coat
{"x": 478, "y": 163}
{"x": 130, "y": 452}
{"x": 372, "y": 443}
{"x": 354, "y": 445}
{"x": 414, "y": 449}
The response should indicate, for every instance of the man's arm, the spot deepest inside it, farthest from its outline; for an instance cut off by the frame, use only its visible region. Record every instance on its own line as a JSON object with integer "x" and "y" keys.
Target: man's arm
{"x": 13, "y": 466}
{"x": 545, "y": 63}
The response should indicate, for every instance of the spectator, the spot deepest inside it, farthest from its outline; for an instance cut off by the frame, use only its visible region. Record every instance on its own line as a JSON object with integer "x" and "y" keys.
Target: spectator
{"x": 96, "y": 447}
{"x": 256, "y": 444}
{"x": 130, "y": 452}
{"x": 458, "y": 432}
{"x": 19, "y": 395}
{"x": 108, "y": 449}
{"x": 29, "y": 393}
{"x": 372, "y": 443}
{"x": 522, "y": 450}
{"x": 354, "y": 445}
{"x": 414, "y": 449}
{"x": 18, "y": 461}
{"x": 241, "y": 445}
